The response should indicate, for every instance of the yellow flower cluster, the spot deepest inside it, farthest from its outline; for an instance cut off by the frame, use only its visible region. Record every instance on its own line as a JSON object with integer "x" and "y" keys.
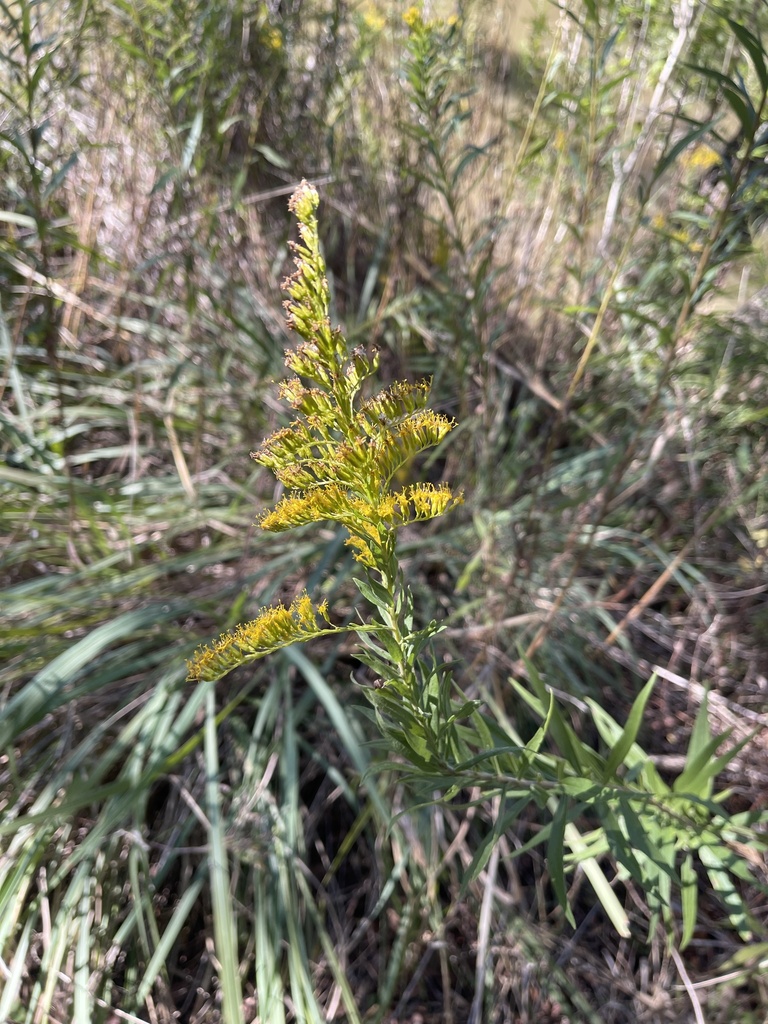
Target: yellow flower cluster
{"x": 416, "y": 21}
{"x": 272, "y": 629}
{"x": 321, "y": 503}
{"x": 273, "y": 39}
{"x": 358, "y": 453}
{"x": 700, "y": 159}
{"x": 373, "y": 20}
{"x": 368, "y": 523}
{"x": 412, "y": 17}
{"x": 418, "y": 502}
{"x": 338, "y": 457}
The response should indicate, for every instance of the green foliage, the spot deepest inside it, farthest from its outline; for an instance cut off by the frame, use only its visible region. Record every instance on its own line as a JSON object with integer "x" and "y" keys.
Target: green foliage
{"x": 338, "y": 459}
{"x": 443, "y": 169}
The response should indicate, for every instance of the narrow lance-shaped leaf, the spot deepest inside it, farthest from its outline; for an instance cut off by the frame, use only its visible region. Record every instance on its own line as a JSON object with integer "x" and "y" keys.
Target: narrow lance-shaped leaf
{"x": 689, "y": 892}
{"x": 624, "y": 743}
{"x": 754, "y": 48}
{"x": 724, "y": 885}
{"x": 555, "y": 850}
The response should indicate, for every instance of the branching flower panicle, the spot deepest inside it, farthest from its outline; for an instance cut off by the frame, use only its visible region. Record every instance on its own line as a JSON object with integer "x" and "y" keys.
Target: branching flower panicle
{"x": 272, "y": 629}
{"x": 337, "y": 460}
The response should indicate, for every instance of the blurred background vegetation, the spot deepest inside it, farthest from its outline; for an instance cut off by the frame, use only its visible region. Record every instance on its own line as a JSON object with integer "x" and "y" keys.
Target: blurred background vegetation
{"x": 558, "y": 214}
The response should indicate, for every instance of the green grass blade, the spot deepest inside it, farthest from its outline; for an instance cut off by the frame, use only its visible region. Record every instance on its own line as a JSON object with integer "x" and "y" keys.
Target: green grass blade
{"x": 224, "y": 917}
{"x": 170, "y": 936}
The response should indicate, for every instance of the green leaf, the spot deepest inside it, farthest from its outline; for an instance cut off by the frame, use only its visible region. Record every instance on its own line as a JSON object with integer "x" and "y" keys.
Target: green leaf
{"x": 555, "y": 852}
{"x": 751, "y": 957}
{"x": 373, "y": 592}
{"x": 714, "y": 768}
{"x": 271, "y": 156}
{"x": 608, "y": 899}
{"x": 382, "y": 668}
{"x": 642, "y": 833}
{"x": 465, "y": 710}
{"x": 723, "y": 885}
{"x": 59, "y": 176}
{"x": 502, "y": 824}
{"x": 389, "y": 642}
{"x": 625, "y": 742}
{"x": 584, "y": 789}
{"x": 471, "y": 153}
{"x": 485, "y": 755}
{"x": 689, "y": 892}
{"x": 45, "y": 691}
{"x": 622, "y": 851}
{"x": 701, "y": 733}
{"x": 696, "y": 778}
{"x": 20, "y": 219}
{"x": 567, "y": 741}
{"x": 754, "y": 48}
{"x": 534, "y": 744}
{"x": 179, "y": 919}
{"x": 736, "y": 96}
{"x": 224, "y": 912}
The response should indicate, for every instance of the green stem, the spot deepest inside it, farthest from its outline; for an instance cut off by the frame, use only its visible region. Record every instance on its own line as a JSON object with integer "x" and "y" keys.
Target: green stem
{"x": 390, "y": 580}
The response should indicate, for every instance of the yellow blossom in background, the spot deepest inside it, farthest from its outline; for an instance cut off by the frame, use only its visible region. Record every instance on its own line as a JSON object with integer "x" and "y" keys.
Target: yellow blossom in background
{"x": 373, "y": 20}
{"x": 412, "y": 17}
{"x": 675, "y": 232}
{"x": 760, "y": 539}
{"x": 700, "y": 159}
{"x": 416, "y": 21}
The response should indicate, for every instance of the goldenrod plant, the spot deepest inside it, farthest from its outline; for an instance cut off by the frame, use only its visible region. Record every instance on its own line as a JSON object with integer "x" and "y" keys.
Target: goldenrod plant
{"x": 579, "y": 295}
{"x": 338, "y": 460}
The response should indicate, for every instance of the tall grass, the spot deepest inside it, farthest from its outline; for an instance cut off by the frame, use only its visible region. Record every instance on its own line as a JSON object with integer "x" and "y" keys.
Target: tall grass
{"x": 567, "y": 236}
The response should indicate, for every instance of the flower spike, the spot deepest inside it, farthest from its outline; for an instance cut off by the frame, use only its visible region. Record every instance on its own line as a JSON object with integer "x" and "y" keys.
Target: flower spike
{"x": 272, "y": 629}
{"x": 336, "y": 459}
